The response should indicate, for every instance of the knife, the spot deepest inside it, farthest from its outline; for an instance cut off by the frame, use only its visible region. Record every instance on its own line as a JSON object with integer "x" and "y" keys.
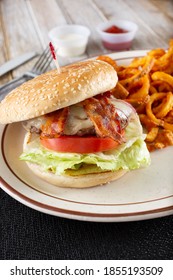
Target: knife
{"x": 15, "y": 62}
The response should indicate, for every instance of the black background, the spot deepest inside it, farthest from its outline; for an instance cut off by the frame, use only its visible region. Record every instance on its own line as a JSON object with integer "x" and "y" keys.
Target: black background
{"x": 29, "y": 234}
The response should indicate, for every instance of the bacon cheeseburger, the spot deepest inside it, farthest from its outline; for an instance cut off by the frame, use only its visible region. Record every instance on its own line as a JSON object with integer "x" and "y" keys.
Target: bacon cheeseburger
{"x": 78, "y": 135}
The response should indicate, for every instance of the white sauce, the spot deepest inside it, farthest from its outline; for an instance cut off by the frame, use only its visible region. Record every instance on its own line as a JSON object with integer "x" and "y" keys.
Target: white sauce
{"x": 72, "y": 44}
{"x": 69, "y": 37}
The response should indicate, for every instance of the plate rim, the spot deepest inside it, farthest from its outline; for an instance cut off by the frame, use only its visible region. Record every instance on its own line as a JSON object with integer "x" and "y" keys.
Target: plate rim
{"x": 89, "y": 216}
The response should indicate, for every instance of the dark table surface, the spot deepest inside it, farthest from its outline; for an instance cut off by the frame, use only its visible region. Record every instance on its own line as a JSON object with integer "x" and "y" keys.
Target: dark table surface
{"x": 29, "y": 234}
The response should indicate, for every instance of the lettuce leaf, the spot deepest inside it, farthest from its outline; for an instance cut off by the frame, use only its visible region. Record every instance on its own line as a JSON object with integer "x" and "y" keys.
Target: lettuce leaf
{"x": 132, "y": 154}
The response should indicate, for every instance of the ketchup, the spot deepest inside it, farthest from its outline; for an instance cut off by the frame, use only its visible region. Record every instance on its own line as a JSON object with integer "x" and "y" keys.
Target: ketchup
{"x": 117, "y": 46}
{"x": 115, "y": 29}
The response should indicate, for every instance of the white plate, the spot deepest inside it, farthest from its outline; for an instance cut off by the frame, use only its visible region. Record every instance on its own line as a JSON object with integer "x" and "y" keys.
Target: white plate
{"x": 140, "y": 194}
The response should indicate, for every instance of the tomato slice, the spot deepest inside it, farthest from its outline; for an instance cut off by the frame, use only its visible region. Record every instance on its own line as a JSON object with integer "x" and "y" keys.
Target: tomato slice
{"x": 76, "y": 144}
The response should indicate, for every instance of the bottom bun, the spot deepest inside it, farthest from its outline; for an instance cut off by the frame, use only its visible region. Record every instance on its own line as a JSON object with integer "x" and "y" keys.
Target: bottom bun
{"x": 81, "y": 181}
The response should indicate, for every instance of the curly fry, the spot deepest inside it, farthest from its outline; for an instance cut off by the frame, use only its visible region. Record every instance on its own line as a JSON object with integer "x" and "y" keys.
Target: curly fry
{"x": 163, "y": 109}
{"x": 163, "y": 77}
{"x": 152, "y": 134}
{"x": 157, "y": 53}
{"x": 119, "y": 91}
{"x": 141, "y": 72}
{"x": 147, "y": 84}
{"x": 155, "y": 97}
{"x": 143, "y": 92}
{"x": 108, "y": 60}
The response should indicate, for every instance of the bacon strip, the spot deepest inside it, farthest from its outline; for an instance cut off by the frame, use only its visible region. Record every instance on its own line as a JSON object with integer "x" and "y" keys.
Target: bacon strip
{"x": 54, "y": 126}
{"x": 105, "y": 118}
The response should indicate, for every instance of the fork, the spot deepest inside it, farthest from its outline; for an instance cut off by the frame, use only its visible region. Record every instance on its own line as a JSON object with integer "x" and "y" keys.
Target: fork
{"x": 39, "y": 67}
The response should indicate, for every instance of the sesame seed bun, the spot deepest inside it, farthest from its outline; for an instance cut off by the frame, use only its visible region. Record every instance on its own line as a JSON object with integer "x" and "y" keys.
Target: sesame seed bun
{"x": 80, "y": 181}
{"x": 52, "y": 91}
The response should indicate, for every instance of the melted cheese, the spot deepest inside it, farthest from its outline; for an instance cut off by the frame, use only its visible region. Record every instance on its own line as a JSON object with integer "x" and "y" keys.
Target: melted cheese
{"x": 77, "y": 120}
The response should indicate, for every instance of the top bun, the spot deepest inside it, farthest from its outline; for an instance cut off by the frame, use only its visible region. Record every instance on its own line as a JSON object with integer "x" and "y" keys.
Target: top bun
{"x": 52, "y": 91}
